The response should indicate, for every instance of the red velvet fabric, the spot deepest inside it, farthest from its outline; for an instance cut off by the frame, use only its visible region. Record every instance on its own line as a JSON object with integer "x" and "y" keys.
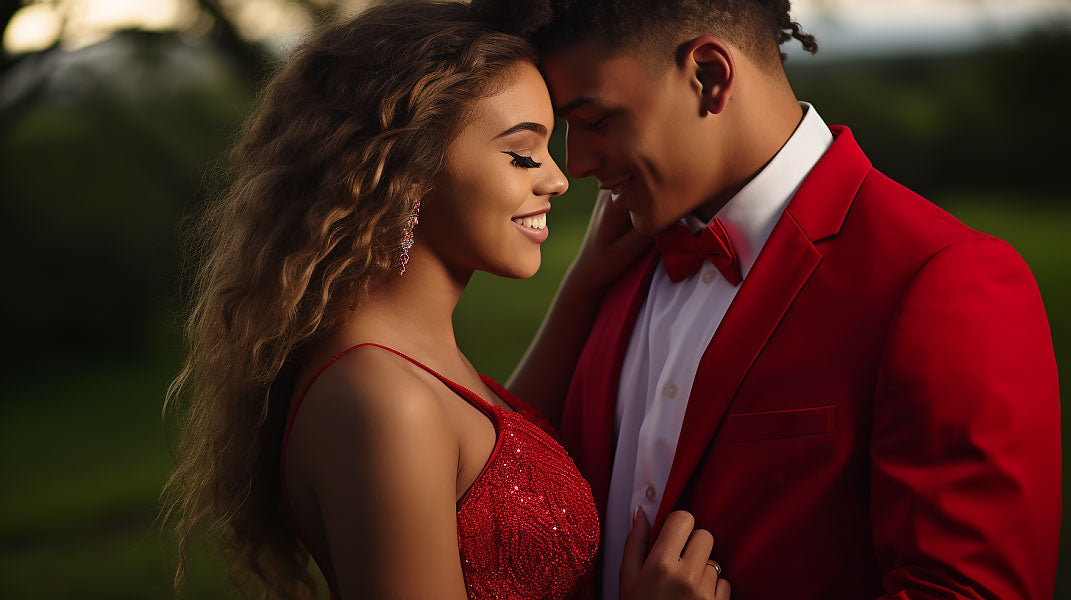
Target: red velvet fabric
{"x": 877, "y": 414}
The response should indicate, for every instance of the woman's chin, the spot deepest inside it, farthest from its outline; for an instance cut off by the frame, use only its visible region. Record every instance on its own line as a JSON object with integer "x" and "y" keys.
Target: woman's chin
{"x": 520, "y": 268}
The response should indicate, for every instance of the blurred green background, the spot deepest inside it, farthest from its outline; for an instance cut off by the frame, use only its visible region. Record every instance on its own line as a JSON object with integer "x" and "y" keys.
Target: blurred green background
{"x": 111, "y": 133}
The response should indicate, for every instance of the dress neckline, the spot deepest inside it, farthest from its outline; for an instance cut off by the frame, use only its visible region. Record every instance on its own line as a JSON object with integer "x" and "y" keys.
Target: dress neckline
{"x": 496, "y": 414}
{"x": 493, "y": 412}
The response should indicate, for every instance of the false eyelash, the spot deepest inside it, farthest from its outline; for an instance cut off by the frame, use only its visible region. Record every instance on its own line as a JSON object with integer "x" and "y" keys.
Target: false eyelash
{"x": 523, "y": 161}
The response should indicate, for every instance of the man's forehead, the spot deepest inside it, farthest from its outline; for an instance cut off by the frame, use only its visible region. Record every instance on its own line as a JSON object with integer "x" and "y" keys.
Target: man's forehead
{"x": 584, "y": 78}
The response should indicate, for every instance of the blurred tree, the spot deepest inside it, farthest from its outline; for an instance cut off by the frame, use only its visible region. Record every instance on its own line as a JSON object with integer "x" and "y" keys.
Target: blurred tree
{"x": 323, "y": 10}
{"x": 104, "y": 148}
{"x": 8, "y": 8}
{"x": 982, "y": 119}
{"x": 102, "y": 151}
{"x": 224, "y": 29}
{"x": 250, "y": 55}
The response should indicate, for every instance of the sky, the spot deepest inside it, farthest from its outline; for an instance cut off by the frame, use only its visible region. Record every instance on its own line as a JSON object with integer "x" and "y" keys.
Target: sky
{"x": 841, "y": 26}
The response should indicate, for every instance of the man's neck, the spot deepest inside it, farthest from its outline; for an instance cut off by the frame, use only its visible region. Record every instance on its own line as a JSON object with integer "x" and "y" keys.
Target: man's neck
{"x": 760, "y": 131}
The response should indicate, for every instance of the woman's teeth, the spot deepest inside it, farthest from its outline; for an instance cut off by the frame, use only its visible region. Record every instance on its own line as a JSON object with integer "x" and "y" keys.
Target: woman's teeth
{"x": 536, "y": 222}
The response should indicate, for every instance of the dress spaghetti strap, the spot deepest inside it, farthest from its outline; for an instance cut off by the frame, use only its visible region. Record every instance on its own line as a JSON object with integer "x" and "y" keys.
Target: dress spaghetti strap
{"x": 528, "y": 503}
{"x": 464, "y": 392}
{"x": 469, "y": 396}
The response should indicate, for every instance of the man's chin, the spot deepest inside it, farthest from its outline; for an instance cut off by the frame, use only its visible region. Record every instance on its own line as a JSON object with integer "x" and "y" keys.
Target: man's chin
{"x": 649, "y": 224}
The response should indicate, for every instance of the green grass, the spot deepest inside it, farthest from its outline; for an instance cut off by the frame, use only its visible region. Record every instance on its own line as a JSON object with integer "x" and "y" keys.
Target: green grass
{"x": 84, "y": 454}
{"x": 84, "y": 459}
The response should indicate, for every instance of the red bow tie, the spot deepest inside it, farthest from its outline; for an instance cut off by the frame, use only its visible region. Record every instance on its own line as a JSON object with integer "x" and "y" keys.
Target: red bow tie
{"x": 683, "y": 252}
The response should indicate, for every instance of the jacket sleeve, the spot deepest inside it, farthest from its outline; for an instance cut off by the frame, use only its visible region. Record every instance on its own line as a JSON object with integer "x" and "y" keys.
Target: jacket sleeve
{"x": 965, "y": 451}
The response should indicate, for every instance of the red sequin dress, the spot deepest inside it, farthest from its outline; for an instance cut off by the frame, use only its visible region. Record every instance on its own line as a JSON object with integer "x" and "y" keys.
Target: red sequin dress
{"x": 527, "y": 527}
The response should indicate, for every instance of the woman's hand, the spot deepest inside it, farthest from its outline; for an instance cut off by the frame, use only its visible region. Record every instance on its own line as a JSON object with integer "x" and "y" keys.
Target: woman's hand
{"x": 678, "y": 567}
{"x": 609, "y": 247}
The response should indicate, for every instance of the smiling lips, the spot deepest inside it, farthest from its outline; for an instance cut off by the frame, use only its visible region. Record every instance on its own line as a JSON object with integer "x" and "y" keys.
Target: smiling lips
{"x": 533, "y": 225}
{"x": 615, "y": 189}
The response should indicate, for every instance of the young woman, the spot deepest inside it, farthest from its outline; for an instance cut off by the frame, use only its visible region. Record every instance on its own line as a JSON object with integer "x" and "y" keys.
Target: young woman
{"x": 393, "y": 156}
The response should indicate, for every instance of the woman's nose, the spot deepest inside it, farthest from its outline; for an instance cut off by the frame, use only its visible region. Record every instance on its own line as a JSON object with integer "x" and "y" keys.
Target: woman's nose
{"x": 555, "y": 183}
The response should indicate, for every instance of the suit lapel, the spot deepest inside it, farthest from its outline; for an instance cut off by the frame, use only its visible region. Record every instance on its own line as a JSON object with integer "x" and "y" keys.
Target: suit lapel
{"x": 757, "y": 309}
{"x": 783, "y": 267}
{"x": 611, "y": 336}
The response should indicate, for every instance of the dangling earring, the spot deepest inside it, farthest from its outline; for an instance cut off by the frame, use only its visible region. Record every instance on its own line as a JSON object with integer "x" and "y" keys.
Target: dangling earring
{"x": 407, "y": 237}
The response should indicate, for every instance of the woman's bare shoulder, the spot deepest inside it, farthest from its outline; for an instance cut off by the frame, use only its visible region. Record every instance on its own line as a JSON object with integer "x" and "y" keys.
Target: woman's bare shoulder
{"x": 367, "y": 402}
{"x": 372, "y": 383}
{"x": 380, "y": 460}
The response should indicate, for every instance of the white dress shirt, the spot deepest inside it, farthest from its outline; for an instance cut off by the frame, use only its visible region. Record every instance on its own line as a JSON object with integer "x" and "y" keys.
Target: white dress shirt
{"x": 673, "y": 329}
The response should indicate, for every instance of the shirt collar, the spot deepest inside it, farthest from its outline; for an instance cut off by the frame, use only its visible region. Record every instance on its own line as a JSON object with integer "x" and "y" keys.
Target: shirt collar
{"x": 749, "y": 216}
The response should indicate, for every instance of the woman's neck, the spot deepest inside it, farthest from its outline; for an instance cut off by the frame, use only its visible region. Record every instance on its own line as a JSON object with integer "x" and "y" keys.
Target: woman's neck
{"x": 416, "y": 307}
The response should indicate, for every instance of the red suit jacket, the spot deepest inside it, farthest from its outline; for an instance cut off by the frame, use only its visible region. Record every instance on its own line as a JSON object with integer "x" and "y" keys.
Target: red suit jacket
{"x": 877, "y": 414}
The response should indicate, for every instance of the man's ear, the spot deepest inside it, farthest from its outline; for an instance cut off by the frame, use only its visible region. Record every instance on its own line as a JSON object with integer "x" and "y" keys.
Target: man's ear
{"x": 711, "y": 63}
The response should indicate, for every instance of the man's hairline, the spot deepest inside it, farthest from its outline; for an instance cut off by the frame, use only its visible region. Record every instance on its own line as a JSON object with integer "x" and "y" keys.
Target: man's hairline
{"x": 654, "y": 65}
{"x": 650, "y": 59}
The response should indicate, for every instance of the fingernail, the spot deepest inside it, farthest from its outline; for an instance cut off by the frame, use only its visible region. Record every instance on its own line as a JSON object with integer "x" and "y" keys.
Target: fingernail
{"x": 636, "y": 515}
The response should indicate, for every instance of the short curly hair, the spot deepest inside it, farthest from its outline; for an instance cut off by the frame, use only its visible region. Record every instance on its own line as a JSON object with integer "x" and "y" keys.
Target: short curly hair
{"x": 758, "y": 27}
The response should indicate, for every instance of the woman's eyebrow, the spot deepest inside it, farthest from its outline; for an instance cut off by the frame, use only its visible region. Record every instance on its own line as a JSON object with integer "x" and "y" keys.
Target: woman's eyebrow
{"x": 525, "y": 126}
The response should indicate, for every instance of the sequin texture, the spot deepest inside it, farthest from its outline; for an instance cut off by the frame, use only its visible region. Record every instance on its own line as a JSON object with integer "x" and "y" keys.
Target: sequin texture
{"x": 527, "y": 528}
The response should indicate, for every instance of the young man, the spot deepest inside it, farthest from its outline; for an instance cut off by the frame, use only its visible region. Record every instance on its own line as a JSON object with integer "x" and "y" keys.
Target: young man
{"x": 852, "y": 391}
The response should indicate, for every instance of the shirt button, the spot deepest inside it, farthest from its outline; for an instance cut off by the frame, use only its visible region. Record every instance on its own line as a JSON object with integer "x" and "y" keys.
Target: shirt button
{"x": 670, "y": 391}
{"x": 649, "y": 492}
{"x": 708, "y": 277}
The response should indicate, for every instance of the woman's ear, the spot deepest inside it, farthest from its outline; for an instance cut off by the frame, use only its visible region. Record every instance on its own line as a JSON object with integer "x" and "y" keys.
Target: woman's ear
{"x": 711, "y": 63}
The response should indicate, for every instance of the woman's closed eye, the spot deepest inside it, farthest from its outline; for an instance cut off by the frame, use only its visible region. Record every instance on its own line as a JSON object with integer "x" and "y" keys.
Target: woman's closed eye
{"x": 522, "y": 161}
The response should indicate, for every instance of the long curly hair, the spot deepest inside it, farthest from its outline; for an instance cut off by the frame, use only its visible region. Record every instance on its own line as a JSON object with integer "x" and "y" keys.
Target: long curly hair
{"x": 322, "y": 179}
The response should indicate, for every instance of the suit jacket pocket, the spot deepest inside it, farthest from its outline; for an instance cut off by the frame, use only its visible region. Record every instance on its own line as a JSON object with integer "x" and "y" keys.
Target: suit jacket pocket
{"x": 750, "y": 427}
